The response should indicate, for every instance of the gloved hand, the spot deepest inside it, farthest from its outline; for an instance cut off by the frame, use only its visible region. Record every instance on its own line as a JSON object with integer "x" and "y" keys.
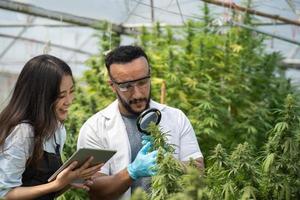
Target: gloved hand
{"x": 144, "y": 164}
{"x": 146, "y": 139}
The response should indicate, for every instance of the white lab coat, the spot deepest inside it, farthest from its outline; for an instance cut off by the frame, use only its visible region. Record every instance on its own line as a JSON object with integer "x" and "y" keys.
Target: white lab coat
{"x": 106, "y": 130}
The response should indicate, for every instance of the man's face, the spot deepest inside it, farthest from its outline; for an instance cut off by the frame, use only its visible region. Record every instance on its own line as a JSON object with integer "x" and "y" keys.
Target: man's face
{"x": 131, "y": 82}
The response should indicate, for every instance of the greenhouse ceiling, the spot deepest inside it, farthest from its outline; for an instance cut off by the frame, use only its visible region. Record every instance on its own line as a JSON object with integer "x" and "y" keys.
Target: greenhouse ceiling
{"x": 66, "y": 28}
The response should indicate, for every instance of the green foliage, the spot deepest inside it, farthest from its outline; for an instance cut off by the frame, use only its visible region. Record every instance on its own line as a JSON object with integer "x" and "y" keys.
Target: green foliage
{"x": 194, "y": 184}
{"x": 281, "y": 165}
{"x": 236, "y": 97}
{"x": 226, "y": 85}
{"x": 169, "y": 170}
{"x": 73, "y": 195}
{"x": 246, "y": 174}
{"x": 139, "y": 194}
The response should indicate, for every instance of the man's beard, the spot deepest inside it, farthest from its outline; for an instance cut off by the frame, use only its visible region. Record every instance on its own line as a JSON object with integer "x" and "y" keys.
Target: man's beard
{"x": 128, "y": 107}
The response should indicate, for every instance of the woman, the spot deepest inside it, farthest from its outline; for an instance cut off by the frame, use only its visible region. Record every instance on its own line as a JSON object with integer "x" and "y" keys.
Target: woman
{"x": 32, "y": 133}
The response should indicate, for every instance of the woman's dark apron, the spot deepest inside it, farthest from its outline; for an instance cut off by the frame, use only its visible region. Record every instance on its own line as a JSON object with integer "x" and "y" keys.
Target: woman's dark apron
{"x": 37, "y": 175}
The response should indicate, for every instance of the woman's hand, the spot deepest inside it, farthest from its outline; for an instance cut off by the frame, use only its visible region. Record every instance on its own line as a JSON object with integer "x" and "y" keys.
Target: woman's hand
{"x": 68, "y": 175}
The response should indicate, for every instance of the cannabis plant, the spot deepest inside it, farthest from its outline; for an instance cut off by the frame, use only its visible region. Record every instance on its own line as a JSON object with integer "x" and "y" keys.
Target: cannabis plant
{"x": 169, "y": 170}
{"x": 281, "y": 164}
{"x": 228, "y": 86}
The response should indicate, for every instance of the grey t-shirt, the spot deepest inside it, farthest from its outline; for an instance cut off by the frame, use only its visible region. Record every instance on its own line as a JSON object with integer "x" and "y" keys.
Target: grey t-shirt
{"x": 135, "y": 140}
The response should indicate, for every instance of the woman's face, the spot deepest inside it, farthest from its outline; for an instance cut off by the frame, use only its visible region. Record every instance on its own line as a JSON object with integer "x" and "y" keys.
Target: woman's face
{"x": 65, "y": 98}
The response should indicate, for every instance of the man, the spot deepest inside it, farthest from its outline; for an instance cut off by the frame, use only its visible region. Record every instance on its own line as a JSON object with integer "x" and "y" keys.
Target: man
{"x": 115, "y": 128}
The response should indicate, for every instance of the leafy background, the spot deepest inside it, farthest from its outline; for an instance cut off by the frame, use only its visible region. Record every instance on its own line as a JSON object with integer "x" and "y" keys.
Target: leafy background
{"x": 244, "y": 111}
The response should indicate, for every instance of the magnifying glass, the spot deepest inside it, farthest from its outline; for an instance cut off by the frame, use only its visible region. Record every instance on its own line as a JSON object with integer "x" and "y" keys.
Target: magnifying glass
{"x": 146, "y": 117}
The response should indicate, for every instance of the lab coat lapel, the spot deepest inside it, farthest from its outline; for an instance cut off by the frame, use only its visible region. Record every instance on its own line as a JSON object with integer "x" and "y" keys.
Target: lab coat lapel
{"x": 116, "y": 132}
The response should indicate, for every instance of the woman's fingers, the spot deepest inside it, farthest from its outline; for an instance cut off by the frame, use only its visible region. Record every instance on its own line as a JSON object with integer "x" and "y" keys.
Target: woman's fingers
{"x": 87, "y": 173}
{"x": 89, "y": 182}
{"x": 71, "y": 166}
{"x": 86, "y": 164}
{"x": 94, "y": 168}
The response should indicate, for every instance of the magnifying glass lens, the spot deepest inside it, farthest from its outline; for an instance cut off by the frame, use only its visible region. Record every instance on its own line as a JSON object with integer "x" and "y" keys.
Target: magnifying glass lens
{"x": 146, "y": 117}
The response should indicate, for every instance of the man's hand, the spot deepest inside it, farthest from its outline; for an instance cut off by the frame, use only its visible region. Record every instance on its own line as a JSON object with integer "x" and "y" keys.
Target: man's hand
{"x": 146, "y": 139}
{"x": 144, "y": 164}
{"x": 199, "y": 163}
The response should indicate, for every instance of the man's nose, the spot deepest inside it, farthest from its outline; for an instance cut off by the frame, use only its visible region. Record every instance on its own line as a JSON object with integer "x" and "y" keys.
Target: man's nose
{"x": 137, "y": 91}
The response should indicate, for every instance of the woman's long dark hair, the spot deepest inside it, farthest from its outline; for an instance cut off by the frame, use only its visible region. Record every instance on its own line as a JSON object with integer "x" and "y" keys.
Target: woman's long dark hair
{"x": 33, "y": 100}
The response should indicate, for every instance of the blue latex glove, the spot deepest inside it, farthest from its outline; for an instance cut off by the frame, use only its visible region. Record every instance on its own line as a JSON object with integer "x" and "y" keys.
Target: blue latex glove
{"x": 146, "y": 139}
{"x": 144, "y": 164}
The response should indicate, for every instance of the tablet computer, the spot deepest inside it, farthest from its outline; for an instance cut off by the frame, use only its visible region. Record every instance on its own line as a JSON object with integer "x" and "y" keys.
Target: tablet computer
{"x": 82, "y": 155}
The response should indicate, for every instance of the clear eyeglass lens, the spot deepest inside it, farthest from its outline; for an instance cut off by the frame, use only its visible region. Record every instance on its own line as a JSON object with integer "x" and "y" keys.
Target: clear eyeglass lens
{"x": 127, "y": 86}
{"x": 124, "y": 86}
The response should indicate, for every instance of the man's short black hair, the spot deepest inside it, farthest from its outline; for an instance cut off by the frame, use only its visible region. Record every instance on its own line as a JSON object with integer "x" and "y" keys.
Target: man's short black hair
{"x": 124, "y": 54}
